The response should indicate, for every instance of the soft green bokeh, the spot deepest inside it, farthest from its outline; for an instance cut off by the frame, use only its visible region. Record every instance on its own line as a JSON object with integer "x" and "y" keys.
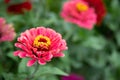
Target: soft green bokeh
{"x": 94, "y": 54}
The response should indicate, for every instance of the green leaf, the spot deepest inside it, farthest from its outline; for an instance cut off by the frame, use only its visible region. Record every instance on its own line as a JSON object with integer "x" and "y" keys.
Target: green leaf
{"x": 8, "y": 76}
{"x": 94, "y": 42}
{"x": 11, "y": 76}
{"x": 115, "y": 4}
{"x": 114, "y": 59}
{"x": 47, "y": 77}
{"x": 23, "y": 67}
{"x": 49, "y": 70}
{"x": 118, "y": 38}
{"x": 10, "y": 55}
{"x": 108, "y": 74}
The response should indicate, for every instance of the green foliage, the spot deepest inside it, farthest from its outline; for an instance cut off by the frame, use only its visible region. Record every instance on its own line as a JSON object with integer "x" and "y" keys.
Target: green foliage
{"x": 95, "y": 54}
{"x": 49, "y": 70}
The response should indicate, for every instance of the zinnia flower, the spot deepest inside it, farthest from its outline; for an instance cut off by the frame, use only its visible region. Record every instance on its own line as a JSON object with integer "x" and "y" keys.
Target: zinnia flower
{"x": 20, "y": 8}
{"x": 72, "y": 77}
{"x": 80, "y": 13}
{"x": 99, "y": 7}
{"x": 7, "y": 32}
{"x": 40, "y": 44}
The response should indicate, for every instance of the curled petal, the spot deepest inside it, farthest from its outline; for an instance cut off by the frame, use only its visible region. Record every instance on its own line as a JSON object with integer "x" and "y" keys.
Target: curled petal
{"x": 16, "y": 53}
{"x": 22, "y": 46}
{"x": 22, "y": 54}
{"x": 31, "y": 62}
{"x": 59, "y": 55}
{"x": 41, "y": 61}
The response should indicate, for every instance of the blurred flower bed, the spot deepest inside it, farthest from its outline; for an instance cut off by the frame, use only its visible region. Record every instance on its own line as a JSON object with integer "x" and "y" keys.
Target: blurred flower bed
{"x": 59, "y": 40}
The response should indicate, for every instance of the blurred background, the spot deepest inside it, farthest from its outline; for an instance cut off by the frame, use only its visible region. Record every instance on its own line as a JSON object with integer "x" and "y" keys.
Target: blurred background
{"x": 93, "y": 54}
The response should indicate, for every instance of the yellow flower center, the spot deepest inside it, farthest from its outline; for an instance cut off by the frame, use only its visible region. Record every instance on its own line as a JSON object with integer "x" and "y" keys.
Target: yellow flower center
{"x": 42, "y": 42}
{"x": 81, "y": 7}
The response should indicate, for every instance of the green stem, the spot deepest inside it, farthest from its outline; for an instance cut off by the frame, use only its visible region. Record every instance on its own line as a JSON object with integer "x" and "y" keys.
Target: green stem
{"x": 36, "y": 68}
{"x": 30, "y": 77}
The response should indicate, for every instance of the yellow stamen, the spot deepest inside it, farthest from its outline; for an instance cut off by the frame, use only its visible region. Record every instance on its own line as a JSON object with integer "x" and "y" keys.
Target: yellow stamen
{"x": 81, "y": 7}
{"x": 42, "y": 42}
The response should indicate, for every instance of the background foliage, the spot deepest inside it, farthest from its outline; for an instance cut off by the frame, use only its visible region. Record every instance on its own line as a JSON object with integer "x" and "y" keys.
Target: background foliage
{"x": 93, "y": 54}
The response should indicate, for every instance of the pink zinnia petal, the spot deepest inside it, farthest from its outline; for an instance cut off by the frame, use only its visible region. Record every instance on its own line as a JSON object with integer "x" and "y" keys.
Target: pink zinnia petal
{"x": 31, "y": 62}
{"x": 41, "y": 61}
{"x": 22, "y": 55}
{"x": 2, "y": 21}
{"x": 16, "y": 53}
{"x": 59, "y": 55}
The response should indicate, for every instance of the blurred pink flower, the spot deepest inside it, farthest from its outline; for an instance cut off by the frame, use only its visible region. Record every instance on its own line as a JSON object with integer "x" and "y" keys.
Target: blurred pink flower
{"x": 7, "y": 32}
{"x": 72, "y": 77}
{"x": 80, "y": 13}
{"x": 100, "y": 9}
{"x": 40, "y": 44}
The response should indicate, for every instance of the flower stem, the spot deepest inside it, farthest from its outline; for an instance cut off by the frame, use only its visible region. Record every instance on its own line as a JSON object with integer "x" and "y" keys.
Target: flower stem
{"x": 30, "y": 77}
{"x": 36, "y": 68}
